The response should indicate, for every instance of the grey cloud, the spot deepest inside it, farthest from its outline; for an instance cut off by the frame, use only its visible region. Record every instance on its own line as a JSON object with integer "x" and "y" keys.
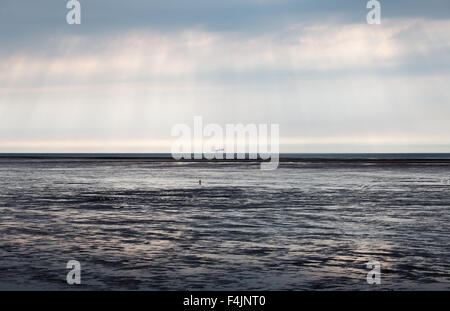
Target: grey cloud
{"x": 30, "y": 21}
{"x": 409, "y": 98}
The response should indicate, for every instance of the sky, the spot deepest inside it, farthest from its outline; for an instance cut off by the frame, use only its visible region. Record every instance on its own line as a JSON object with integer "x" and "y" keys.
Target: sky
{"x": 132, "y": 70}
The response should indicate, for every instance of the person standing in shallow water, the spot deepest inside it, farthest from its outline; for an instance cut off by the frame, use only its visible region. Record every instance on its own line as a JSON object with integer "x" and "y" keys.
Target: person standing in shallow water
{"x": 199, "y": 182}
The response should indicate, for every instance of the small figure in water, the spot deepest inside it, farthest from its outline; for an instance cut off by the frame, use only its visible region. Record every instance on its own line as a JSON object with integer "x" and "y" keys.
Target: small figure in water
{"x": 199, "y": 182}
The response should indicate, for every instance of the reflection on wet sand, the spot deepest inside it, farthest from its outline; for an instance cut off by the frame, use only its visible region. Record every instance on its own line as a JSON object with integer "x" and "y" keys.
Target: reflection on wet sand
{"x": 150, "y": 225}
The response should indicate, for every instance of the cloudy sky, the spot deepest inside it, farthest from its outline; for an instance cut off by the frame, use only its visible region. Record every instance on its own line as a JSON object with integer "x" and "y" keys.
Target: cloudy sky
{"x": 133, "y": 69}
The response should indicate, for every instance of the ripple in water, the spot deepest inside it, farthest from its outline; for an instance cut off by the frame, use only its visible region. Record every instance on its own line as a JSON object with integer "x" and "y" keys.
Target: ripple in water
{"x": 150, "y": 225}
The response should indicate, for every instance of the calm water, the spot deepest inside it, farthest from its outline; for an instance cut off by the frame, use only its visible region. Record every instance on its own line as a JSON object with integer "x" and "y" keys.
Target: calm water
{"x": 149, "y": 225}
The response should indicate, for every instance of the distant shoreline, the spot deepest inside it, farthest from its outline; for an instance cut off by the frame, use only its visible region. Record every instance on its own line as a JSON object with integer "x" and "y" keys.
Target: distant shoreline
{"x": 435, "y": 158}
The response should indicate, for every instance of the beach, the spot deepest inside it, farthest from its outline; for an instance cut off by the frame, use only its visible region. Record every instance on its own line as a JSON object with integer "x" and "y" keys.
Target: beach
{"x": 147, "y": 224}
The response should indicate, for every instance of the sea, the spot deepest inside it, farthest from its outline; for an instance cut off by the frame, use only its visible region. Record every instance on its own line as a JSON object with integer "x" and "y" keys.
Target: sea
{"x": 136, "y": 222}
